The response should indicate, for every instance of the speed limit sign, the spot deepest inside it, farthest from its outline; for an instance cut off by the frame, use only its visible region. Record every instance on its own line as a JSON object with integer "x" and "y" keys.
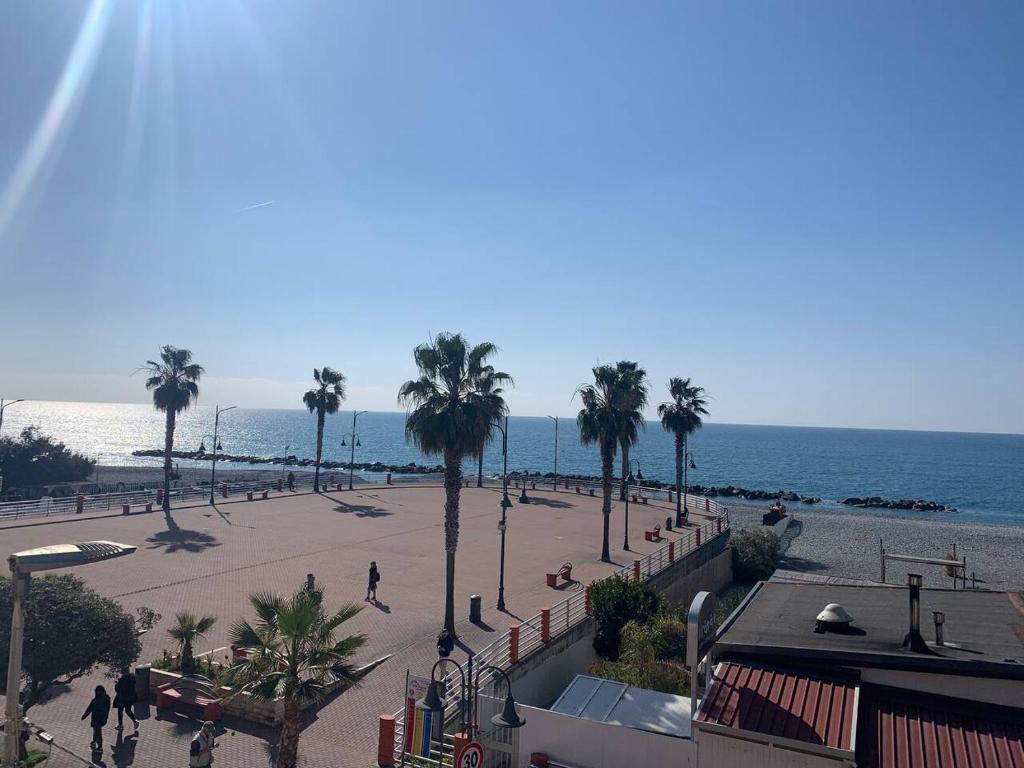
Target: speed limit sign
{"x": 472, "y": 756}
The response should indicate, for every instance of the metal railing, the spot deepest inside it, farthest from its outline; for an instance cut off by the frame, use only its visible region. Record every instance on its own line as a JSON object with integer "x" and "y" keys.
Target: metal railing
{"x": 571, "y": 612}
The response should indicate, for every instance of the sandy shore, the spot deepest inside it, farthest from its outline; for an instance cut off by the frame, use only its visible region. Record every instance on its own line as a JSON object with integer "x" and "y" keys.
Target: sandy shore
{"x": 846, "y": 544}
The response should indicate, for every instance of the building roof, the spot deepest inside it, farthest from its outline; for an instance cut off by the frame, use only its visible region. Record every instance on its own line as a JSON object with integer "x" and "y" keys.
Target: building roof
{"x": 897, "y": 732}
{"x": 781, "y": 704}
{"x": 984, "y": 631}
{"x": 607, "y": 701}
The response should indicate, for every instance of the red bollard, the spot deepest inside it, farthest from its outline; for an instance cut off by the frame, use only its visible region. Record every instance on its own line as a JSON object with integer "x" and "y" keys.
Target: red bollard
{"x": 718, "y": 524}
{"x": 670, "y": 495}
{"x": 588, "y": 607}
{"x": 125, "y": 509}
{"x": 223, "y": 491}
{"x": 707, "y": 505}
{"x": 79, "y": 504}
{"x": 513, "y": 644}
{"x": 248, "y": 495}
{"x": 636, "y": 570}
{"x": 280, "y": 485}
{"x": 545, "y": 625}
{"x": 160, "y": 496}
{"x": 671, "y": 551}
{"x": 386, "y": 740}
{"x": 698, "y": 536}
{"x": 567, "y": 484}
{"x": 459, "y": 742}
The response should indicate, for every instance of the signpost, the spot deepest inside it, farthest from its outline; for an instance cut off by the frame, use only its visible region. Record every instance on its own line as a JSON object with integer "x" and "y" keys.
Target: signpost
{"x": 471, "y": 756}
{"x": 700, "y": 636}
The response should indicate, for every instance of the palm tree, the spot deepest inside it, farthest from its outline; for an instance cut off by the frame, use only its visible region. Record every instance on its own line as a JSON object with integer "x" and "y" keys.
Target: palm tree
{"x": 292, "y": 652}
{"x": 682, "y": 417}
{"x": 601, "y": 421}
{"x": 173, "y": 384}
{"x": 634, "y": 384}
{"x": 323, "y": 399}
{"x": 187, "y": 631}
{"x": 453, "y": 403}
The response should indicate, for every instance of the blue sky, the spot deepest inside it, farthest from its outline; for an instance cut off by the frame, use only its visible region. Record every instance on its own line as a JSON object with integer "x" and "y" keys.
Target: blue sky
{"x": 815, "y": 210}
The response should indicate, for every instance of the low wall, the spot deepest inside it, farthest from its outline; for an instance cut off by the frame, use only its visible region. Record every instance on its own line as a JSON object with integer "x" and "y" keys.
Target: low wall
{"x": 599, "y": 745}
{"x": 240, "y": 705}
{"x": 709, "y": 568}
{"x": 540, "y": 678}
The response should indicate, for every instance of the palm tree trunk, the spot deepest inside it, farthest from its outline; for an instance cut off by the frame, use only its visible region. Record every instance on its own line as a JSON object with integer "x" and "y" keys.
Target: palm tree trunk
{"x": 168, "y": 450}
{"x": 625, "y": 470}
{"x": 607, "y": 462}
{"x": 452, "y": 486}
{"x": 320, "y": 416}
{"x": 288, "y": 752}
{"x": 680, "y": 451}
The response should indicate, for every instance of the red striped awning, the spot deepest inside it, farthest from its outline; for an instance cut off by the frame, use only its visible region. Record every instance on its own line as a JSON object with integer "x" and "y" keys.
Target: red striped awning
{"x": 782, "y": 704}
{"x": 899, "y": 733}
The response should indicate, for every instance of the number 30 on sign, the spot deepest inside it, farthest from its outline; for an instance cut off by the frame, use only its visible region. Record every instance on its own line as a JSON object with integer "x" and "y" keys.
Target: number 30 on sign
{"x": 472, "y": 756}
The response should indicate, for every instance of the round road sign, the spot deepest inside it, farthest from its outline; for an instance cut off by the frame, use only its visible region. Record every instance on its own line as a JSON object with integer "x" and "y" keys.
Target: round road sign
{"x": 472, "y": 756}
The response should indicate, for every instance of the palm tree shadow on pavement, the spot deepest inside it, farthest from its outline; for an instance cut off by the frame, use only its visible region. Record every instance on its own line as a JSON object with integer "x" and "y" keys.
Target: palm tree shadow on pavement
{"x": 176, "y": 539}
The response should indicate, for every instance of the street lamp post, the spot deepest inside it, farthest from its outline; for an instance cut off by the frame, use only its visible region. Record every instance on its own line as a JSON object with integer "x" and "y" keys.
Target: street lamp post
{"x": 506, "y": 502}
{"x": 216, "y": 447}
{"x": 555, "y": 419}
{"x": 629, "y": 480}
{"x": 3, "y": 407}
{"x": 688, "y": 462}
{"x": 23, "y": 565}
{"x": 354, "y": 438}
{"x": 470, "y": 694}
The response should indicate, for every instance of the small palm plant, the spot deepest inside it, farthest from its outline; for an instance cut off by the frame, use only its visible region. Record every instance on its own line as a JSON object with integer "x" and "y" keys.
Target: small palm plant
{"x": 292, "y": 652}
{"x": 682, "y": 417}
{"x": 601, "y": 421}
{"x": 173, "y": 382}
{"x": 455, "y": 402}
{"x": 188, "y": 629}
{"x": 634, "y": 384}
{"x": 323, "y": 399}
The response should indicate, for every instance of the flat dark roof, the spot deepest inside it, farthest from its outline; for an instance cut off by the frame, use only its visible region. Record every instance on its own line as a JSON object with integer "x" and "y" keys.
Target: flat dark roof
{"x": 984, "y": 631}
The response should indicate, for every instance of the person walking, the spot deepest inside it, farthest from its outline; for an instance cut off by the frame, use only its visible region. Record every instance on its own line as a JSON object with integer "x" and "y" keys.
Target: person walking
{"x": 291, "y": 481}
{"x": 125, "y": 697}
{"x": 200, "y": 750}
{"x": 98, "y": 711}
{"x": 372, "y": 580}
{"x": 445, "y": 644}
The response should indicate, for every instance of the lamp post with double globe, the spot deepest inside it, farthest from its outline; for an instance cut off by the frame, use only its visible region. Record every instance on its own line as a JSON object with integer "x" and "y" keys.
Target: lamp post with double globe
{"x": 630, "y": 479}
{"x": 353, "y": 438}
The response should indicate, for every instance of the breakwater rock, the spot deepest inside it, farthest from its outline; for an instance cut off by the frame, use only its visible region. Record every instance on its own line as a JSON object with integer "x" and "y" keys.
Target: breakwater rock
{"x": 293, "y": 461}
{"x": 917, "y": 505}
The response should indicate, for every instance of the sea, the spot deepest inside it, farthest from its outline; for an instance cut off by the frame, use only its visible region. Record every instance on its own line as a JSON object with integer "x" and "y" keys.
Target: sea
{"x": 981, "y": 475}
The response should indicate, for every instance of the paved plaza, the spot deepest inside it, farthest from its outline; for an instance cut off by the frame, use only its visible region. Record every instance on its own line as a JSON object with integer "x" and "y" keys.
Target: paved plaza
{"x": 209, "y": 559}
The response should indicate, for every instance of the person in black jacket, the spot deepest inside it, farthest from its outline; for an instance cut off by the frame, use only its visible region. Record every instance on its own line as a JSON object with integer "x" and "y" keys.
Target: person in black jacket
{"x": 124, "y": 697}
{"x": 99, "y": 709}
{"x": 372, "y": 579}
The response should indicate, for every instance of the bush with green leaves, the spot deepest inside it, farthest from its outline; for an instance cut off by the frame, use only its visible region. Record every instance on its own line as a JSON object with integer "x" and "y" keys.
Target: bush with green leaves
{"x": 651, "y": 656}
{"x": 755, "y": 553}
{"x": 69, "y": 631}
{"x": 34, "y": 459}
{"x": 616, "y": 601}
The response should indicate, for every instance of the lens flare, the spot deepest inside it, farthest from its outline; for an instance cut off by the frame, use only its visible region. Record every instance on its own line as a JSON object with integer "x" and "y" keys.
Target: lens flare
{"x": 60, "y": 112}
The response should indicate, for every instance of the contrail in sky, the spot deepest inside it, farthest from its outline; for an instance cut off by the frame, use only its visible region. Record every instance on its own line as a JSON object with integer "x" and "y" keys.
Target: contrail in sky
{"x": 257, "y": 205}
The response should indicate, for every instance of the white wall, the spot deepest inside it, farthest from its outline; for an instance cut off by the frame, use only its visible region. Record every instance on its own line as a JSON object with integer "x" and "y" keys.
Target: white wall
{"x": 539, "y": 682}
{"x": 588, "y": 744}
{"x": 717, "y": 751}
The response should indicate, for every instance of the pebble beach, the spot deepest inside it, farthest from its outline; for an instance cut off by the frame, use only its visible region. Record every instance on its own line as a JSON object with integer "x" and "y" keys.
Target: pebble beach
{"x": 846, "y": 544}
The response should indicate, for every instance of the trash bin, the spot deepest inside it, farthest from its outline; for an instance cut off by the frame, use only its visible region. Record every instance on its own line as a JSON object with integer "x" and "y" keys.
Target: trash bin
{"x": 474, "y": 608}
{"x": 142, "y": 682}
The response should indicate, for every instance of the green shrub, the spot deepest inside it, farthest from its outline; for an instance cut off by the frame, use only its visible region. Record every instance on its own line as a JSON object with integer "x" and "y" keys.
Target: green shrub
{"x": 617, "y": 601}
{"x": 755, "y": 554}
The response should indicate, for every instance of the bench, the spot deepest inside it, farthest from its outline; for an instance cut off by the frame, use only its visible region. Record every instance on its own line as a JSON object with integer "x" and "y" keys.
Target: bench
{"x": 640, "y": 499}
{"x": 194, "y": 690}
{"x": 565, "y": 573}
{"x": 654, "y": 534}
